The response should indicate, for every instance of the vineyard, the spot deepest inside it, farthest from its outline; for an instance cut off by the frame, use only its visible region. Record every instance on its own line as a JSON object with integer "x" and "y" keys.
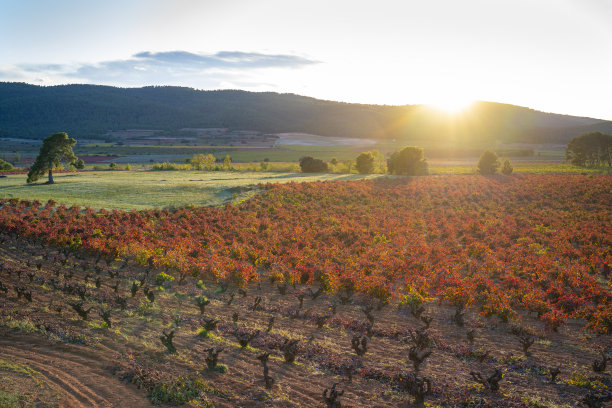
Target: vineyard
{"x": 455, "y": 291}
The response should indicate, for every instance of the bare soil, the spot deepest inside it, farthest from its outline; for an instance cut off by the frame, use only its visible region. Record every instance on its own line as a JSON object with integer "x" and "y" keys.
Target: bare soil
{"x": 82, "y": 363}
{"x": 79, "y": 376}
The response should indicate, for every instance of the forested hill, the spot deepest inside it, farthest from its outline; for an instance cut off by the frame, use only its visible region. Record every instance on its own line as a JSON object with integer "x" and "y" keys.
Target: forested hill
{"x": 30, "y": 111}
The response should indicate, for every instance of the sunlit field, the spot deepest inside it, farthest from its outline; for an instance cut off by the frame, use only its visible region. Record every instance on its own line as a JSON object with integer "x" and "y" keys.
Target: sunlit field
{"x": 521, "y": 167}
{"x": 130, "y": 190}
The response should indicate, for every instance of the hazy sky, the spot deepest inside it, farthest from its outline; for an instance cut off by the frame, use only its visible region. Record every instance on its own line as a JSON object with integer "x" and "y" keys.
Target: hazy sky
{"x": 551, "y": 55}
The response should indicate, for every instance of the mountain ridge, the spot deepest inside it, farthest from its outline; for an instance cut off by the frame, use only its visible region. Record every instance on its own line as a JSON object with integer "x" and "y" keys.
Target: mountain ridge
{"x": 34, "y": 112}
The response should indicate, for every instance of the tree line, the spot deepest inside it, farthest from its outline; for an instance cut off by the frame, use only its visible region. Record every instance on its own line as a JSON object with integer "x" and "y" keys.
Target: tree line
{"x": 29, "y": 111}
{"x": 409, "y": 161}
{"x": 593, "y": 149}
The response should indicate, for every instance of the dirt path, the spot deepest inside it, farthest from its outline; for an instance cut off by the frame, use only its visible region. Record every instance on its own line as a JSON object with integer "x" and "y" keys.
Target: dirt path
{"x": 81, "y": 376}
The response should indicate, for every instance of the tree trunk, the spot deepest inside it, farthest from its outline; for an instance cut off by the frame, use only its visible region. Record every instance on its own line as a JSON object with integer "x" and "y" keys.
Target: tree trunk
{"x": 50, "y": 176}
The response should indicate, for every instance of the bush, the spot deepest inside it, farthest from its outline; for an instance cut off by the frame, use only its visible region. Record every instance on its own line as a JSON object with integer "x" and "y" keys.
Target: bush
{"x": 488, "y": 163}
{"x": 162, "y": 278}
{"x": 180, "y": 391}
{"x": 348, "y": 166}
{"x": 311, "y": 165}
{"x": 79, "y": 164}
{"x": 365, "y": 163}
{"x": 227, "y": 162}
{"x": 166, "y": 166}
{"x": 5, "y": 166}
{"x": 409, "y": 161}
{"x": 203, "y": 161}
{"x": 591, "y": 149}
{"x": 507, "y": 168}
{"x": 413, "y": 299}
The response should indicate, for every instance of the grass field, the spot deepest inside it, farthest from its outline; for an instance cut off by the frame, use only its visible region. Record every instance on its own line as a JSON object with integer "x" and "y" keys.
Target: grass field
{"x": 144, "y": 154}
{"x": 532, "y": 167}
{"x": 242, "y": 153}
{"x": 136, "y": 190}
{"x": 130, "y": 190}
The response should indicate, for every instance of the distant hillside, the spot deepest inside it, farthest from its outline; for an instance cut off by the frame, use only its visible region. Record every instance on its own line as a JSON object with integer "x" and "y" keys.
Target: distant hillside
{"x": 30, "y": 111}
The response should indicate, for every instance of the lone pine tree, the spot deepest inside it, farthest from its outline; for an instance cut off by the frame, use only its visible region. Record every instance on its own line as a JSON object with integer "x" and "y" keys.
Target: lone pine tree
{"x": 55, "y": 149}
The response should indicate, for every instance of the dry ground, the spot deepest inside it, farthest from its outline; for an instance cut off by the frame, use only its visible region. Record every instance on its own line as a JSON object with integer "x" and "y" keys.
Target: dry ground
{"x": 49, "y": 356}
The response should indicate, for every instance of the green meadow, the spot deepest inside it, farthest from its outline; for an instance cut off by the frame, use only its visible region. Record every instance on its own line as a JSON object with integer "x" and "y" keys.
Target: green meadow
{"x": 135, "y": 190}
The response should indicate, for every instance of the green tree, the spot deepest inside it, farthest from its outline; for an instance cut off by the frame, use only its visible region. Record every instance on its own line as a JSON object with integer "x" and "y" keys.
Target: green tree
{"x": 378, "y": 160}
{"x": 227, "y": 162}
{"x": 364, "y": 163}
{"x": 55, "y": 149}
{"x": 349, "y": 165}
{"x": 507, "y": 168}
{"x": 5, "y": 166}
{"x": 590, "y": 150}
{"x": 203, "y": 161}
{"x": 333, "y": 161}
{"x": 79, "y": 164}
{"x": 311, "y": 165}
{"x": 112, "y": 166}
{"x": 488, "y": 163}
{"x": 410, "y": 161}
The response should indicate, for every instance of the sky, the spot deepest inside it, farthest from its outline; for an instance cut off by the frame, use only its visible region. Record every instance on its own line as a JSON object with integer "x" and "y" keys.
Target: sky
{"x": 549, "y": 55}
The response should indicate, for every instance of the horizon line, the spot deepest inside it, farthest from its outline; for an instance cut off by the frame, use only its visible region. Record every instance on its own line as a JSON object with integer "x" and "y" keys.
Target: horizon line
{"x": 431, "y": 105}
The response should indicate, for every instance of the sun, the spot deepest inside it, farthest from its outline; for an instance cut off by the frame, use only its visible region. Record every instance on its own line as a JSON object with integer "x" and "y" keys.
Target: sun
{"x": 452, "y": 104}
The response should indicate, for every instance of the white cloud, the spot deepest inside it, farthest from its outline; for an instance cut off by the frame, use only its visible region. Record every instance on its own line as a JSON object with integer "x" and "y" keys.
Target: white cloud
{"x": 156, "y": 68}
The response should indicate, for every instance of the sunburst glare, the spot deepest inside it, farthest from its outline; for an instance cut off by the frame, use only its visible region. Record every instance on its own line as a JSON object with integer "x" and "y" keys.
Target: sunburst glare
{"x": 452, "y": 104}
